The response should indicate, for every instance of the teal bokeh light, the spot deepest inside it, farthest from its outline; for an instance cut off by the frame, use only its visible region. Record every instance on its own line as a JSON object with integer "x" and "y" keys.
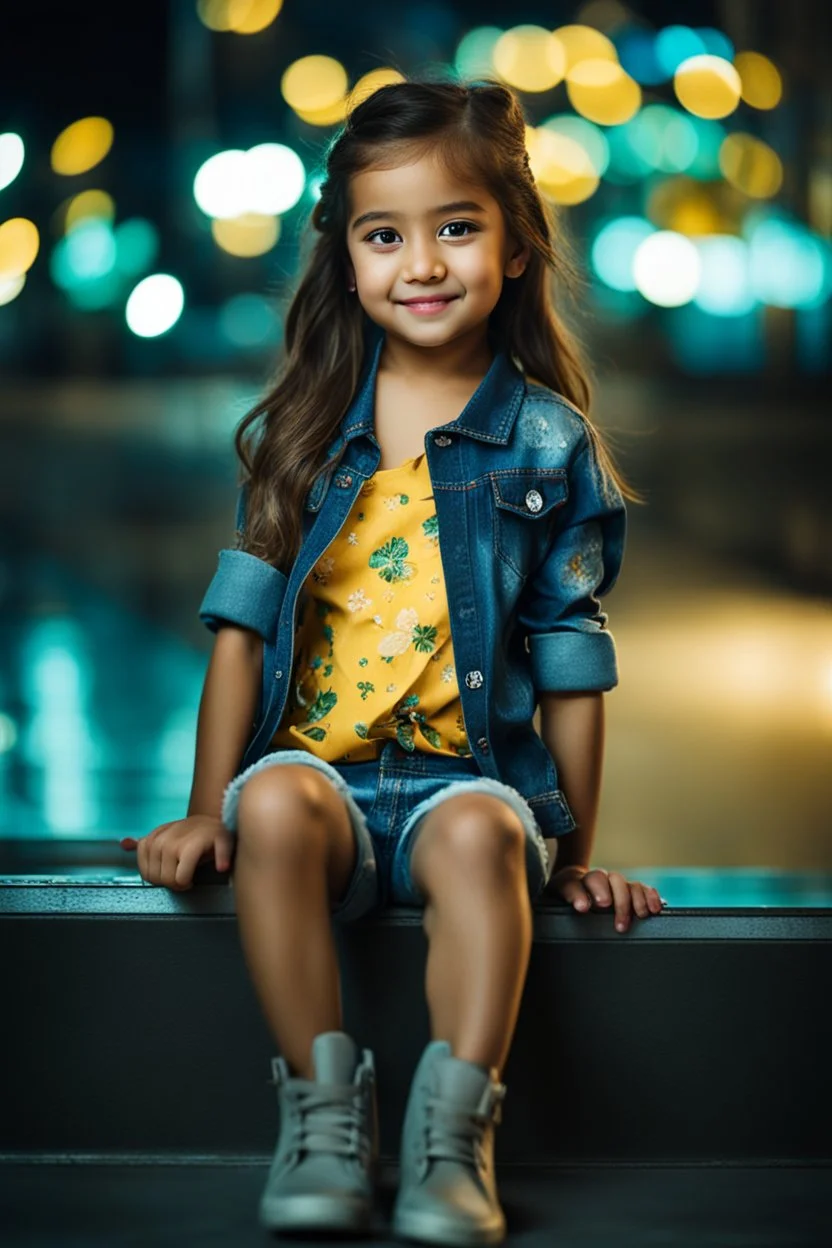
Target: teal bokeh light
{"x": 637, "y": 54}
{"x": 589, "y": 136}
{"x": 249, "y": 322}
{"x": 716, "y": 43}
{"x": 475, "y": 52}
{"x": 86, "y": 254}
{"x": 725, "y": 286}
{"x": 789, "y": 266}
{"x": 137, "y": 246}
{"x": 675, "y": 44}
{"x": 615, "y": 246}
{"x": 663, "y": 137}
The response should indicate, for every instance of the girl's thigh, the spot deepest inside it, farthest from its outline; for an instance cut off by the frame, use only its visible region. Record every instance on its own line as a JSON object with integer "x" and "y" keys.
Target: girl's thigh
{"x": 362, "y": 893}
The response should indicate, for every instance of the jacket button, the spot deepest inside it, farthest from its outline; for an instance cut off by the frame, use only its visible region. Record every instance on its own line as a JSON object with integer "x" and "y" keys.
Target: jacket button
{"x": 482, "y": 745}
{"x": 442, "y": 439}
{"x": 278, "y": 675}
{"x": 473, "y": 680}
{"x": 344, "y": 482}
{"x": 534, "y": 501}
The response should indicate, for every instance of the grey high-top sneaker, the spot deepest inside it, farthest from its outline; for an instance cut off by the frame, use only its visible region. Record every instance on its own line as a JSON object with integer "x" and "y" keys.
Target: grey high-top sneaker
{"x": 323, "y": 1172}
{"x": 447, "y": 1187}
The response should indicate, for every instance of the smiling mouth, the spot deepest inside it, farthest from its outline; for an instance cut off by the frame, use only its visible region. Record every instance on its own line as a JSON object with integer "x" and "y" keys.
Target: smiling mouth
{"x": 428, "y": 305}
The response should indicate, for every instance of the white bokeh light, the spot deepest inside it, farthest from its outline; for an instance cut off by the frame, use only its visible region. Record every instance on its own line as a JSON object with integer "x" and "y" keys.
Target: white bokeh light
{"x": 268, "y": 179}
{"x": 155, "y": 305}
{"x": 667, "y": 269}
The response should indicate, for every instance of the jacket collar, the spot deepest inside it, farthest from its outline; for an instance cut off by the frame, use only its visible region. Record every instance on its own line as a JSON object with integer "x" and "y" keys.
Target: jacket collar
{"x": 489, "y": 414}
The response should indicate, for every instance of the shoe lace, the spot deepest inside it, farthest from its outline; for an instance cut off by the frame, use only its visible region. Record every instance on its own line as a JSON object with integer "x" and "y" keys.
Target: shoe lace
{"x": 455, "y": 1133}
{"x": 327, "y": 1119}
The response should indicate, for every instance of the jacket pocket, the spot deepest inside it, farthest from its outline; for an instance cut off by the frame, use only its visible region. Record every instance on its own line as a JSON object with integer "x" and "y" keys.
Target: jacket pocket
{"x": 525, "y": 502}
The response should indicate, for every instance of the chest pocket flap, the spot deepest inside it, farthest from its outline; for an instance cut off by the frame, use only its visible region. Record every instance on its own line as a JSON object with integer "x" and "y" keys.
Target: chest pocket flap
{"x": 530, "y": 492}
{"x": 316, "y": 492}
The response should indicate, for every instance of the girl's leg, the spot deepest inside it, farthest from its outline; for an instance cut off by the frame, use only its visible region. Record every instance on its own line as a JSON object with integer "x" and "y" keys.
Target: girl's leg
{"x": 469, "y": 861}
{"x": 294, "y": 859}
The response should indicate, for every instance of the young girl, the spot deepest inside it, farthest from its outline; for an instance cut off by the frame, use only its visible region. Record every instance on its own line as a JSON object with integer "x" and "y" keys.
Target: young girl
{"x": 427, "y": 522}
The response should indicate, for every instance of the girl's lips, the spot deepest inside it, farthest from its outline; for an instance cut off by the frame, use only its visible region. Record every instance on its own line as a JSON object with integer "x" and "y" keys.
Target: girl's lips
{"x": 423, "y": 306}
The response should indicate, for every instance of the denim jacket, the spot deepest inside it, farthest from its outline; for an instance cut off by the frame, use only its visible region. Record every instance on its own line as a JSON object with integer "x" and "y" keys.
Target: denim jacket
{"x": 531, "y": 533}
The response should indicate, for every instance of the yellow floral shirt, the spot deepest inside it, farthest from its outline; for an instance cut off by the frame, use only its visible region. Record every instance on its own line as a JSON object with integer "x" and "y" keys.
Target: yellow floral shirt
{"x": 373, "y": 653}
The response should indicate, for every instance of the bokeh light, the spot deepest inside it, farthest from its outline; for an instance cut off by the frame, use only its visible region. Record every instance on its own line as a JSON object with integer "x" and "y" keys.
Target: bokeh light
{"x": 86, "y": 253}
{"x": 761, "y": 84}
{"x": 313, "y": 84}
{"x": 268, "y": 179}
{"x": 11, "y": 288}
{"x": 676, "y": 44}
{"x": 724, "y": 286}
{"x": 249, "y": 321}
{"x": 592, "y": 139}
{"x": 81, "y": 146}
{"x": 137, "y": 246}
{"x": 667, "y": 269}
{"x": 368, "y": 83}
{"x": 637, "y": 54}
{"x": 155, "y": 305}
{"x": 475, "y": 52}
{"x": 241, "y": 17}
{"x": 663, "y": 137}
{"x": 561, "y": 166}
{"x": 19, "y": 246}
{"x": 751, "y": 165}
{"x": 529, "y": 58}
{"x": 251, "y": 234}
{"x": 88, "y": 205}
{"x": 583, "y": 43}
{"x": 603, "y": 92}
{"x": 614, "y": 249}
{"x": 789, "y": 266}
{"x": 707, "y": 86}
{"x": 12, "y": 155}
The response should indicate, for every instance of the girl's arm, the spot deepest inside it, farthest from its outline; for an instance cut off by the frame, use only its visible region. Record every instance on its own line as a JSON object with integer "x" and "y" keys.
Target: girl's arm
{"x": 226, "y": 715}
{"x": 572, "y": 728}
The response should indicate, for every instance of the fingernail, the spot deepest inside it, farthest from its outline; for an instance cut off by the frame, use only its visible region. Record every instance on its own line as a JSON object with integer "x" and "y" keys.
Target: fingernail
{"x": 620, "y": 926}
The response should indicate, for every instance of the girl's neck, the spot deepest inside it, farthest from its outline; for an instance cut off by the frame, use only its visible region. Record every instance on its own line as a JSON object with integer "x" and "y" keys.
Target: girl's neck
{"x": 464, "y": 357}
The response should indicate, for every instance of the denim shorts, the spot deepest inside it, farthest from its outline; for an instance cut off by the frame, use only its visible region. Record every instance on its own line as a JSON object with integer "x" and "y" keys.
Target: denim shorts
{"x": 386, "y": 797}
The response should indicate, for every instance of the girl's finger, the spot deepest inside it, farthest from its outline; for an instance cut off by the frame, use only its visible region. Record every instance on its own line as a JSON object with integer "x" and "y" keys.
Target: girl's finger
{"x": 621, "y": 893}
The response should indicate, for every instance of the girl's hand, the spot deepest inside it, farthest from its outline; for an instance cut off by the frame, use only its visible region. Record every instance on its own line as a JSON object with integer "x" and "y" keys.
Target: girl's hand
{"x": 170, "y": 853}
{"x": 581, "y": 886}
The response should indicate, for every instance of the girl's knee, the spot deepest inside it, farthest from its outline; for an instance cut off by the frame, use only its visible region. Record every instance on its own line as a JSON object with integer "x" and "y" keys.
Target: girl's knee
{"x": 281, "y": 808}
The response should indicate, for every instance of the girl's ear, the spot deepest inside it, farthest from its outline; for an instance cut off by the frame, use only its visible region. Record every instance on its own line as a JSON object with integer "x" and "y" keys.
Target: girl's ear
{"x": 517, "y": 262}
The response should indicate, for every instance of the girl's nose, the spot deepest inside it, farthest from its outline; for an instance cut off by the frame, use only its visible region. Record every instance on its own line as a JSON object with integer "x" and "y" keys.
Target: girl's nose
{"x": 421, "y": 264}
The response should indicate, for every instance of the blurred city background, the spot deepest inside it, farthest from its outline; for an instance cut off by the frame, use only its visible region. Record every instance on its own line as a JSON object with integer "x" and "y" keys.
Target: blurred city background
{"x": 158, "y": 163}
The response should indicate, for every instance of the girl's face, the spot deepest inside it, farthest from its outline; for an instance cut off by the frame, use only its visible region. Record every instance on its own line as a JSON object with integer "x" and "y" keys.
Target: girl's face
{"x": 428, "y": 252}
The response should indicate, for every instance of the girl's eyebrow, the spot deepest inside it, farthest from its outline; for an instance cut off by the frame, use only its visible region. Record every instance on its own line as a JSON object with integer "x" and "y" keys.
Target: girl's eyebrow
{"x": 459, "y": 205}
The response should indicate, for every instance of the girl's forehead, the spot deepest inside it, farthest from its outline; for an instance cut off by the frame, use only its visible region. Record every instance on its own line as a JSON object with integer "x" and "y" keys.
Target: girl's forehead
{"x": 415, "y": 183}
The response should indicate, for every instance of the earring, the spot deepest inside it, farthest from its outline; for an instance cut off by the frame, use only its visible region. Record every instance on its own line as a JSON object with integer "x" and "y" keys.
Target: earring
{"x": 351, "y": 286}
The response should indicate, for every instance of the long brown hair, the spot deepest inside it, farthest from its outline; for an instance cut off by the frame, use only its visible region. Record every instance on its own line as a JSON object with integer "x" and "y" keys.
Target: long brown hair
{"x": 478, "y": 129}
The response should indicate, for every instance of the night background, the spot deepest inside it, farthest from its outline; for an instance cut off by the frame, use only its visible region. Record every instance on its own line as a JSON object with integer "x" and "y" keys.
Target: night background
{"x": 158, "y": 164}
{"x": 141, "y": 307}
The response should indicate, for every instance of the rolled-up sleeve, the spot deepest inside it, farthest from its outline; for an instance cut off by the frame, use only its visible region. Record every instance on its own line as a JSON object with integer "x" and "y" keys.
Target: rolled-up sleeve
{"x": 569, "y": 646}
{"x": 245, "y": 590}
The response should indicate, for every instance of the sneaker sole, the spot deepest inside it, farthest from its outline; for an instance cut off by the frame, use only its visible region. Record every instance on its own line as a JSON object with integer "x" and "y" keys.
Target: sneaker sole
{"x": 314, "y": 1213}
{"x": 433, "y": 1228}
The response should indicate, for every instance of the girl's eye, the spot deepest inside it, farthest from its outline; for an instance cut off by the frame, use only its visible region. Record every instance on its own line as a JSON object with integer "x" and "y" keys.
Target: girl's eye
{"x": 466, "y": 225}
{"x": 376, "y": 235}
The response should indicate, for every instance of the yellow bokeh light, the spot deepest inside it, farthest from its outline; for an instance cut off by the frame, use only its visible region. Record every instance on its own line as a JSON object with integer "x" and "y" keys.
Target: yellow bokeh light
{"x": 82, "y": 145}
{"x": 368, "y": 83}
{"x": 11, "y": 288}
{"x": 242, "y": 17}
{"x": 583, "y": 43}
{"x": 97, "y": 204}
{"x": 760, "y": 81}
{"x": 707, "y": 86}
{"x": 685, "y": 206}
{"x": 314, "y": 84}
{"x": 529, "y": 58}
{"x": 603, "y": 92}
{"x": 330, "y": 116}
{"x": 562, "y": 168}
{"x": 250, "y": 234}
{"x": 751, "y": 166}
{"x": 19, "y": 245}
